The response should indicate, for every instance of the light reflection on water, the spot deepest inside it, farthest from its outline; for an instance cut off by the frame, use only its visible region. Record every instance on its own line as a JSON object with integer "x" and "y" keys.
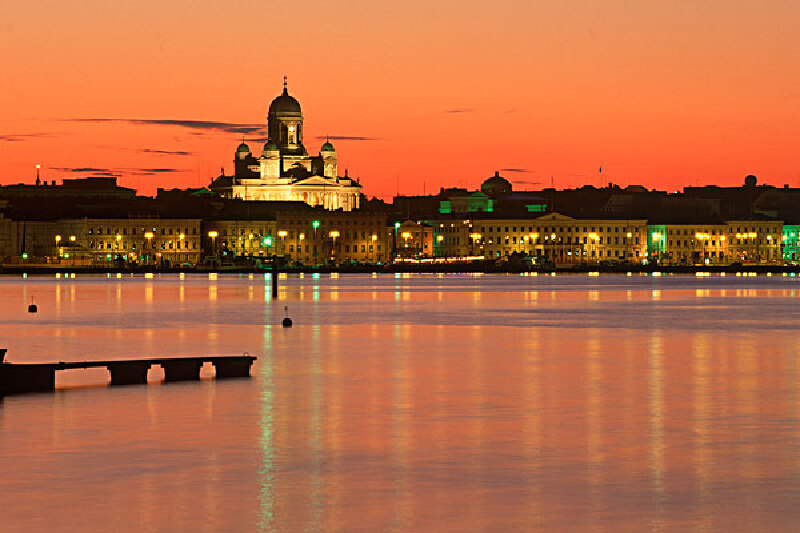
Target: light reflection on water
{"x": 424, "y": 403}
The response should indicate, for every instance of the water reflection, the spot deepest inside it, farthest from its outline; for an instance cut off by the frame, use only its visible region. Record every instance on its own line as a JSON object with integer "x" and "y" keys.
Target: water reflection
{"x": 538, "y": 403}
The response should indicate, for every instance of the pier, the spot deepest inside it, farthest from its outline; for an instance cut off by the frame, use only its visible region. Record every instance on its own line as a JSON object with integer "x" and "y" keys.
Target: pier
{"x": 21, "y": 378}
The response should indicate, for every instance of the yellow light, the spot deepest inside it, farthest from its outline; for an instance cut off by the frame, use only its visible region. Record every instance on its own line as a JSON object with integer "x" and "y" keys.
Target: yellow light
{"x": 439, "y": 238}
{"x": 630, "y": 235}
{"x": 181, "y": 236}
{"x": 72, "y": 238}
{"x": 282, "y": 233}
{"x": 333, "y": 234}
{"x": 119, "y": 237}
{"x": 213, "y": 234}
{"x": 38, "y": 166}
{"x": 406, "y": 235}
{"x": 58, "y": 238}
{"x": 302, "y": 236}
{"x": 148, "y": 235}
{"x": 375, "y": 237}
{"x": 722, "y": 237}
{"x": 698, "y": 235}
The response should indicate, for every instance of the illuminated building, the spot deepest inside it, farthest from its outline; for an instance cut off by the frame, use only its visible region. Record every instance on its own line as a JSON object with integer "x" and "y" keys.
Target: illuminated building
{"x": 754, "y": 241}
{"x": 791, "y": 251}
{"x": 413, "y": 240}
{"x": 556, "y": 238}
{"x": 318, "y": 237}
{"x": 284, "y": 170}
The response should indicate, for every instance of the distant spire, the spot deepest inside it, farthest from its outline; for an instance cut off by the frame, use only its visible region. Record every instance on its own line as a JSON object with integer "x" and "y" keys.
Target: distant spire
{"x": 285, "y": 85}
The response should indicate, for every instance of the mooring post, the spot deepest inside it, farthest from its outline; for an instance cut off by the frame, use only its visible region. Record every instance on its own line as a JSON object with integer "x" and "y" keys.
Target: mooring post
{"x": 275, "y": 278}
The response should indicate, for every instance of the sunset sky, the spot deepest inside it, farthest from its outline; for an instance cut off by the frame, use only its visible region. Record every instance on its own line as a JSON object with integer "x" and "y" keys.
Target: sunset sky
{"x": 415, "y": 95}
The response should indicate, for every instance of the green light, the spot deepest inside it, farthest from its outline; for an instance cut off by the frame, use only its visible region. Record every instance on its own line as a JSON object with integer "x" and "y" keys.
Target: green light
{"x": 108, "y": 257}
{"x": 267, "y": 241}
{"x": 396, "y": 225}
{"x": 24, "y": 255}
{"x": 315, "y": 224}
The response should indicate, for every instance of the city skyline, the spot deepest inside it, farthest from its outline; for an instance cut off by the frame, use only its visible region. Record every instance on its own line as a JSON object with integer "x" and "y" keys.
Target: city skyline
{"x": 414, "y": 98}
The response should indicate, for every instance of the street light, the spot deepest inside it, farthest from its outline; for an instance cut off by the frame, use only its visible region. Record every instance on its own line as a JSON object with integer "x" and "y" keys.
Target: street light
{"x": 213, "y": 235}
{"x": 333, "y": 234}
{"x": 315, "y": 225}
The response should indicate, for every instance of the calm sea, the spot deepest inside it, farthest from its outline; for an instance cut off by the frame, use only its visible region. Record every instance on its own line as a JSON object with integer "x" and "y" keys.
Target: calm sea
{"x": 409, "y": 403}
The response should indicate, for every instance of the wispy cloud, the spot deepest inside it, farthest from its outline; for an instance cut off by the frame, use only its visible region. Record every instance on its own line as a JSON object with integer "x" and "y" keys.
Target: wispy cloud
{"x": 148, "y": 171}
{"x": 347, "y": 138}
{"x": 164, "y": 152}
{"x": 204, "y": 125}
{"x": 458, "y": 110}
{"x": 23, "y": 136}
{"x": 520, "y": 170}
{"x": 117, "y": 172}
{"x": 81, "y": 170}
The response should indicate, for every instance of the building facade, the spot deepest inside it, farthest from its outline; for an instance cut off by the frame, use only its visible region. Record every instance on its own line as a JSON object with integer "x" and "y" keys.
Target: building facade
{"x": 284, "y": 170}
{"x": 556, "y": 238}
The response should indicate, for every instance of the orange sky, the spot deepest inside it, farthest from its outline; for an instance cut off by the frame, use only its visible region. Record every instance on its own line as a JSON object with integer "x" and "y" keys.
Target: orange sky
{"x": 441, "y": 93}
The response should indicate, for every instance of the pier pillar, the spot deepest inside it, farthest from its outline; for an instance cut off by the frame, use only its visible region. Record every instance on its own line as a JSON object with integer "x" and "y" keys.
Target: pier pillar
{"x": 238, "y": 367}
{"x": 22, "y": 378}
{"x": 181, "y": 369}
{"x": 128, "y": 372}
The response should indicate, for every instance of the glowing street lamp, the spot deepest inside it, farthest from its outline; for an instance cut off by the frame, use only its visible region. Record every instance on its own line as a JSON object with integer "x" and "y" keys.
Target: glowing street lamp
{"x": 213, "y": 235}
{"x": 315, "y": 225}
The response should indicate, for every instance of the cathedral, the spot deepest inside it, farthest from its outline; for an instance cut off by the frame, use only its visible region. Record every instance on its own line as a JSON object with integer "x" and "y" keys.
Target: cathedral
{"x": 284, "y": 170}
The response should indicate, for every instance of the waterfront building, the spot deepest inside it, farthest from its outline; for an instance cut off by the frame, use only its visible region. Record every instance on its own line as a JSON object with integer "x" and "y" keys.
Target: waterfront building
{"x": 687, "y": 244}
{"x": 145, "y": 240}
{"x": 553, "y": 237}
{"x": 284, "y": 170}
{"x": 413, "y": 240}
{"x": 755, "y": 241}
{"x": 239, "y": 238}
{"x": 316, "y": 237}
{"x": 791, "y": 250}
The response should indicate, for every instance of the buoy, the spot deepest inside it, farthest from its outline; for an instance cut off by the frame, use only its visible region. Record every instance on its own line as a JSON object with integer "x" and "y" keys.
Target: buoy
{"x": 287, "y": 322}
{"x": 32, "y": 307}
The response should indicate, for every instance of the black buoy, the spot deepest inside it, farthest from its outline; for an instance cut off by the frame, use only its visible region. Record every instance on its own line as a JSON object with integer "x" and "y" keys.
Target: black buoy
{"x": 32, "y": 307}
{"x": 287, "y": 322}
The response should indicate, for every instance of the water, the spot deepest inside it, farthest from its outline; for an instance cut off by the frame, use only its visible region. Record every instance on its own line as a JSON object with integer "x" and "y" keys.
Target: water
{"x": 410, "y": 403}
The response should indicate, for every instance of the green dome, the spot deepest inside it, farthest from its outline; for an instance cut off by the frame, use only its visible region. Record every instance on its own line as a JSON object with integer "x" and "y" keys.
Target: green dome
{"x": 327, "y": 147}
{"x": 270, "y": 146}
{"x": 243, "y": 148}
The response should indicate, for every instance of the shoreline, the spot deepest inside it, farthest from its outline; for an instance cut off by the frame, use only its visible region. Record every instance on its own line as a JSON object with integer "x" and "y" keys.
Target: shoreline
{"x": 413, "y": 269}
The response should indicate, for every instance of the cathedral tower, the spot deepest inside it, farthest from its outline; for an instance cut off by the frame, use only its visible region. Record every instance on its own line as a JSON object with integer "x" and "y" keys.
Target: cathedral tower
{"x": 285, "y": 123}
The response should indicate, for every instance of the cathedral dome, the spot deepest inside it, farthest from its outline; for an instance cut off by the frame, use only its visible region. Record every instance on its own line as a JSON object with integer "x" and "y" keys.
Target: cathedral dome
{"x": 496, "y": 184}
{"x": 270, "y": 147}
{"x": 285, "y": 103}
{"x": 327, "y": 147}
{"x": 243, "y": 148}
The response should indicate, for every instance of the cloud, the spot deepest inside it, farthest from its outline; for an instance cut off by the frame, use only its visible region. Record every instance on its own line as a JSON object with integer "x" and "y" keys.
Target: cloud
{"x": 346, "y": 138}
{"x": 454, "y": 111}
{"x": 112, "y": 172}
{"x": 520, "y": 170}
{"x": 164, "y": 152}
{"x": 202, "y": 125}
{"x": 81, "y": 170}
{"x": 23, "y": 136}
{"x": 154, "y": 171}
